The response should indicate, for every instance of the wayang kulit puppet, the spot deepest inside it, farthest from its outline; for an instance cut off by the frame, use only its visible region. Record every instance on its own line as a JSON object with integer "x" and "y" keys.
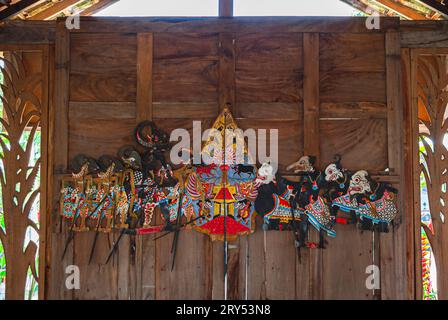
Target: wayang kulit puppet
{"x": 219, "y": 196}
{"x": 310, "y": 199}
{"x": 277, "y": 202}
{"x": 337, "y": 181}
{"x": 273, "y": 200}
{"x": 221, "y": 193}
{"x": 323, "y": 199}
{"x": 376, "y": 201}
{"x": 123, "y": 192}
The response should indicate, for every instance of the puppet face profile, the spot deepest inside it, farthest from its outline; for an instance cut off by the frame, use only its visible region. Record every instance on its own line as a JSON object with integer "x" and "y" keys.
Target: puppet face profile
{"x": 266, "y": 173}
{"x": 133, "y": 161}
{"x": 304, "y": 164}
{"x": 333, "y": 173}
{"x": 359, "y": 183}
{"x": 130, "y": 157}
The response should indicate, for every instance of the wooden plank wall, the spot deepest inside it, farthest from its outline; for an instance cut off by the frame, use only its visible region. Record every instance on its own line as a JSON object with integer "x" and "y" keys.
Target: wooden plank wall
{"x": 327, "y": 86}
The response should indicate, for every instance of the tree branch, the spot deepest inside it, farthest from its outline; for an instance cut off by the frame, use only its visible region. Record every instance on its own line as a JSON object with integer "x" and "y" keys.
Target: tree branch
{"x": 30, "y": 254}
{"x": 30, "y": 201}
{"x": 33, "y": 173}
{"x": 29, "y": 143}
{"x": 33, "y": 224}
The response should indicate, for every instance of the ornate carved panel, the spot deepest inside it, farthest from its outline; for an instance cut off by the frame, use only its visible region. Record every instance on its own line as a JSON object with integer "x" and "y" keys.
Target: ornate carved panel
{"x": 431, "y": 95}
{"x": 20, "y": 167}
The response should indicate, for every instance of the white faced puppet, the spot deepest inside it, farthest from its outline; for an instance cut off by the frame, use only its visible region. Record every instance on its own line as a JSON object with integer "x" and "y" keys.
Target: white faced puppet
{"x": 359, "y": 183}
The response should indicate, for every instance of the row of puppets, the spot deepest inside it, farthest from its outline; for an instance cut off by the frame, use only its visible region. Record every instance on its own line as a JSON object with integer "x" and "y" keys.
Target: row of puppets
{"x": 122, "y": 193}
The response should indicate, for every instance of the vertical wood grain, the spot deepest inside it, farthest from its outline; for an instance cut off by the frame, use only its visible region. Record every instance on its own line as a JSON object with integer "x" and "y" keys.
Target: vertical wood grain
{"x": 226, "y": 70}
{"x": 234, "y": 270}
{"x": 144, "y": 76}
{"x": 303, "y": 270}
{"x": 408, "y": 154}
{"x": 217, "y": 269}
{"x": 416, "y": 206}
{"x": 208, "y": 268}
{"x": 45, "y": 191}
{"x": 311, "y": 93}
{"x": 226, "y": 96}
{"x": 60, "y": 164}
{"x": 394, "y": 106}
{"x": 81, "y": 68}
{"x": 393, "y": 245}
{"x": 143, "y": 280}
{"x": 252, "y": 282}
{"x": 126, "y": 275}
{"x": 50, "y": 178}
{"x": 311, "y": 140}
{"x": 62, "y": 59}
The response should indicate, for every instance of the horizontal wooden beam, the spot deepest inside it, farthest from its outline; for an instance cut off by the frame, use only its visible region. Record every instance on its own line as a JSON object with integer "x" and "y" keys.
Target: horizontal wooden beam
{"x": 103, "y": 110}
{"x": 237, "y": 24}
{"x": 27, "y": 32}
{"x": 424, "y": 39}
{"x": 429, "y": 32}
{"x": 424, "y": 34}
{"x": 354, "y": 110}
{"x": 423, "y": 25}
{"x": 16, "y": 8}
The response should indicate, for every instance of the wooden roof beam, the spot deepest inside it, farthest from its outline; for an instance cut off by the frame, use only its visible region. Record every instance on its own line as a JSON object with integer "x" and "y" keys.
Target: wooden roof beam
{"x": 16, "y": 8}
{"x": 358, "y": 5}
{"x": 5, "y": 3}
{"x": 440, "y": 7}
{"x": 100, "y": 5}
{"x": 54, "y": 10}
{"x": 401, "y": 10}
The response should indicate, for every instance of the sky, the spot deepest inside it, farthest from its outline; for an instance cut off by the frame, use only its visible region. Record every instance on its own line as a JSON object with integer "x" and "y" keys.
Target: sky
{"x": 241, "y": 8}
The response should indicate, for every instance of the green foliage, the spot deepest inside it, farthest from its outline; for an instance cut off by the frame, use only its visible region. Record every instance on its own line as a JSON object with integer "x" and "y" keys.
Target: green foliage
{"x": 2, "y": 255}
{"x": 431, "y": 295}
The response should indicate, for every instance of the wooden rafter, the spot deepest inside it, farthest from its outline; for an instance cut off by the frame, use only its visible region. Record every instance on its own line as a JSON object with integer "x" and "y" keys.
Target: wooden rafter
{"x": 378, "y": 8}
{"x": 98, "y": 6}
{"x": 54, "y": 10}
{"x": 401, "y": 9}
{"x": 33, "y": 10}
{"x": 440, "y": 7}
{"x": 5, "y": 3}
{"x": 358, "y": 5}
{"x": 16, "y": 8}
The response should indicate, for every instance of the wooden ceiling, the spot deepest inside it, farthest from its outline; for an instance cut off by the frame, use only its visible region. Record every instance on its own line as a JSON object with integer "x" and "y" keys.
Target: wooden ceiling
{"x": 51, "y": 9}
{"x": 405, "y": 9}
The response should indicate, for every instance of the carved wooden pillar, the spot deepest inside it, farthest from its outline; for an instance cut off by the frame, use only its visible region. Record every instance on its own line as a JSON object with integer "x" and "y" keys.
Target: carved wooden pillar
{"x": 22, "y": 92}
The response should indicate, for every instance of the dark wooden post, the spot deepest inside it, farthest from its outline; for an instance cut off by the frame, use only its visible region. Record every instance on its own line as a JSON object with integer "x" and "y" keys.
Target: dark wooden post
{"x": 226, "y": 8}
